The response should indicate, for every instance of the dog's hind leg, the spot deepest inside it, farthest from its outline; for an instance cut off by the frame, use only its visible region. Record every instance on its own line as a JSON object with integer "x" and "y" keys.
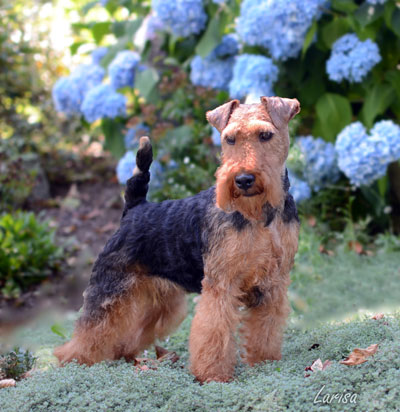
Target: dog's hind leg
{"x": 149, "y": 308}
{"x": 159, "y": 306}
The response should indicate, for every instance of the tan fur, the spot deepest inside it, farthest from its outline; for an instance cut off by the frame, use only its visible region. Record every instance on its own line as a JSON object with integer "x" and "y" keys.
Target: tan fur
{"x": 265, "y": 160}
{"x": 152, "y": 308}
{"x": 255, "y": 257}
{"x": 260, "y": 257}
{"x": 237, "y": 263}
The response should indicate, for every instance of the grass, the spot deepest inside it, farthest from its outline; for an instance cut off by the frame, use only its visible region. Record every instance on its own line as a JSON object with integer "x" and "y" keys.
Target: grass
{"x": 344, "y": 287}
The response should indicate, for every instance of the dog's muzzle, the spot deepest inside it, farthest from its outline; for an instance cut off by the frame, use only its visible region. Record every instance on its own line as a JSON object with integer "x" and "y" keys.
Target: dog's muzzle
{"x": 245, "y": 181}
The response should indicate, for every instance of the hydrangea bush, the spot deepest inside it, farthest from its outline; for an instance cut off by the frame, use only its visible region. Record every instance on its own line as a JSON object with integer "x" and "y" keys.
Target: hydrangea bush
{"x": 161, "y": 65}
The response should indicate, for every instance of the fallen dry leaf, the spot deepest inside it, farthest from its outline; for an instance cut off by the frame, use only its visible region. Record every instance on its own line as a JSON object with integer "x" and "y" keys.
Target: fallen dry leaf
{"x": 67, "y": 230}
{"x": 324, "y": 250}
{"x": 359, "y": 356}
{"x": 160, "y": 351}
{"x": 312, "y": 221}
{"x": 164, "y": 354}
{"x": 7, "y": 383}
{"x": 91, "y": 215}
{"x": 356, "y": 247}
{"x": 378, "y": 316}
{"x": 109, "y": 227}
{"x": 317, "y": 365}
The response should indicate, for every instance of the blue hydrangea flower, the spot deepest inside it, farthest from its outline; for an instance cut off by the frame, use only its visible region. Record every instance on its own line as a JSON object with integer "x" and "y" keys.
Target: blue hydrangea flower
{"x": 122, "y": 69}
{"x": 66, "y": 96}
{"x": 134, "y": 134}
{"x": 216, "y": 136}
{"x": 278, "y": 25}
{"x": 374, "y": 2}
{"x": 252, "y": 74}
{"x": 127, "y": 164}
{"x": 103, "y": 101}
{"x": 125, "y": 167}
{"x": 209, "y": 72}
{"x": 352, "y": 59}
{"x": 391, "y": 132}
{"x": 68, "y": 92}
{"x": 181, "y": 17}
{"x": 98, "y": 54}
{"x": 229, "y": 46}
{"x": 320, "y": 162}
{"x": 363, "y": 158}
{"x": 219, "y": 1}
{"x": 298, "y": 188}
{"x": 152, "y": 25}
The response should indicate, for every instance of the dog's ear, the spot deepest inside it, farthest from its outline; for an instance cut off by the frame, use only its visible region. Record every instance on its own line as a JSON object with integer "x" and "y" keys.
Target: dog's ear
{"x": 219, "y": 117}
{"x": 281, "y": 110}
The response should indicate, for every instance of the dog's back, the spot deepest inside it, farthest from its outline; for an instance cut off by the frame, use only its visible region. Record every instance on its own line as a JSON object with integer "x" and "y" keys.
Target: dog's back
{"x": 168, "y": 238}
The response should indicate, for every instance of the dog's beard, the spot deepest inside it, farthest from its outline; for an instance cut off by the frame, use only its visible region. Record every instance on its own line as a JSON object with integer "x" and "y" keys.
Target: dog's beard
{"x": 267, "y": 188}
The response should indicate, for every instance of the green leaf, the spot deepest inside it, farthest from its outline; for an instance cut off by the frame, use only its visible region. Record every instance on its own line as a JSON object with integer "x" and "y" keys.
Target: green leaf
{"x": 89, "y": 6}
{"x": 346, "y": 6}
{"x": 396, "y": 21}
{"x": 309, "y": 37}
{"x": 393, "y": 76}
{"x": 388, "y": 13}
{"x": 113, "y": 50}
{"x": 99, "y": 30}
{"x": 333, "y": 114}
{"x": 377, "y": 100}
{"x": 335, "y": 29}
{"x": 59, "y": 330}
{"x": 382, "y": 186}
{"x": 119, "y": 28}
{"x": 132, "y": 26}
{"x": 210, "y": 39}
{"x": 368, "y": 13}
{"x": 145, "y": 82}
{"x": 75, "y": 46}
{"x": 114, "y": 138}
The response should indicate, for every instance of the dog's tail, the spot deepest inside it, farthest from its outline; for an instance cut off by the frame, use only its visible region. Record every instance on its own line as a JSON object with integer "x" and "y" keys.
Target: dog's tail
{"x": 138, "y": 185}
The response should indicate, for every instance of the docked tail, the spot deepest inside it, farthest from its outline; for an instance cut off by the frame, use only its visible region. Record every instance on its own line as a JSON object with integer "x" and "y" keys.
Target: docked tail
{"x": 137, "y": 186}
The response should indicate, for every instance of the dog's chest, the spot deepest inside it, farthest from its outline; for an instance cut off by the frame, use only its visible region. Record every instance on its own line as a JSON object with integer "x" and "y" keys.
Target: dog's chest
{"x": 253, "y": 254}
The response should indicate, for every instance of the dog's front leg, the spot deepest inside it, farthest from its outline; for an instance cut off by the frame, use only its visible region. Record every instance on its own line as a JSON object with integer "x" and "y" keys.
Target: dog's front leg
{"x": 212, "y": 343}
{"x": 262, "y": 328}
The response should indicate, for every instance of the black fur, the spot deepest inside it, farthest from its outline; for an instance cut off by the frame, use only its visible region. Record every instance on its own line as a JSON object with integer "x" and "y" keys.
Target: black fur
{"x": 290, "y": 211}
{"x": 254, "y": 298}
{"x": 239, "y": 222}
{"x": 169, "y": 239}
{"x": 137, "y": 186}
{"x": 269, "y": 213}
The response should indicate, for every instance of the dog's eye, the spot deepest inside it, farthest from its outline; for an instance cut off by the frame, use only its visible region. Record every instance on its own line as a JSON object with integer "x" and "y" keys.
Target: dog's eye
{"x": 230, "y": 140}
{"x": 265, "y": 136}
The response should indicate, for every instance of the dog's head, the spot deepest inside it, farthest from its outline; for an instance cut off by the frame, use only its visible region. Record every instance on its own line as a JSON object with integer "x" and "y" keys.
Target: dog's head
{"x": 255, "y": 145}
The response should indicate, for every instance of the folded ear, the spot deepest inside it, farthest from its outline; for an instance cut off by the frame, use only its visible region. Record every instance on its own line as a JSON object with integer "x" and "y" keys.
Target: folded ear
{"x": 219, "y": 117}
{"x": 281, "y": 110}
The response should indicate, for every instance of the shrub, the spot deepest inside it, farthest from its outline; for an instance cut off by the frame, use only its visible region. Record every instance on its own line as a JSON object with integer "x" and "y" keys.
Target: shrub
{"x": 28, "y": 253}
{"x": 14, "y": 364}
{"x": 339, "y": 58}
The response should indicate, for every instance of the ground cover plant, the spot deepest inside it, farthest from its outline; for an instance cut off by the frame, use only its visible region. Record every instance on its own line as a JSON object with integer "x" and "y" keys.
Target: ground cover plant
{"x": 332, "y": 315}
{"x": 70, "y": 122}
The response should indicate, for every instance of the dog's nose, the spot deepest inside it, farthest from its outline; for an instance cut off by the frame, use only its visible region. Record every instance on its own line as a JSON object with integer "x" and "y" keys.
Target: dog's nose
{"x": 244, "y": 181}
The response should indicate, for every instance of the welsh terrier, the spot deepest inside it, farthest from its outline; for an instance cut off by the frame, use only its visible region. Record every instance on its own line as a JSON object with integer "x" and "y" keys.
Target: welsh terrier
{"x": 234, "y": 243}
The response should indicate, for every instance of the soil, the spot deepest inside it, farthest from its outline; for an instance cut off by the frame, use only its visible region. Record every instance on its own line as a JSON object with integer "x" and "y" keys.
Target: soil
{"x": 85, "y": 214}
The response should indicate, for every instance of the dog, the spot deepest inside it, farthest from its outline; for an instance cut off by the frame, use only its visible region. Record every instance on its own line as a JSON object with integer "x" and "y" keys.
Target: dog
{"x": 234, "y": 243}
